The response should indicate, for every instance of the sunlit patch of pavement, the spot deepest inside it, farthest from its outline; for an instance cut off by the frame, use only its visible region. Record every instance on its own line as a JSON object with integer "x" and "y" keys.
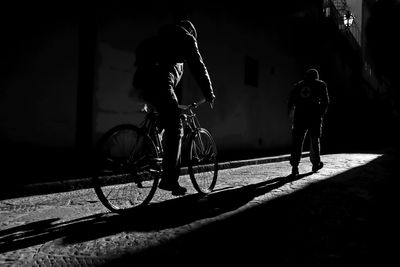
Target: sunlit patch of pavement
{"x": 75, "y": 205}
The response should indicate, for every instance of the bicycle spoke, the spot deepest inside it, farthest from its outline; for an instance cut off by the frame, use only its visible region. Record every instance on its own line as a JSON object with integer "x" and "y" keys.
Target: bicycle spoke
{"x": 123, "y": 168}
{"x": 203, "y": 162}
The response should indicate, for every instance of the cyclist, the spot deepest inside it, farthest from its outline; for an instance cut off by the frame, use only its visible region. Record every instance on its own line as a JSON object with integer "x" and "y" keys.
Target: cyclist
{"x": 159, "y": 69}
{"x": 308, "y": 102}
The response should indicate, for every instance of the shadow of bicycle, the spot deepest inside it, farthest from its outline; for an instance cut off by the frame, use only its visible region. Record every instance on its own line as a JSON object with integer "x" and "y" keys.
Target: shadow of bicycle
{"x": 155, "y": 217}
{"x": 184, "y": 210}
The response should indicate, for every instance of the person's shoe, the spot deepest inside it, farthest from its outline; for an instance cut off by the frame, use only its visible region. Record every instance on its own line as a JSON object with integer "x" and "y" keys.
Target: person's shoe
{"x": 175, "y": 188}
{"x": 317, "y": 167}
{"x": 295, "y": 170}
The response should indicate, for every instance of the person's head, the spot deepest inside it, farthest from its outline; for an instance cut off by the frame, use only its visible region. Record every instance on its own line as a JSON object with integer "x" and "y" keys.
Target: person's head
{"x": 188, "y": 26}
{"x": 311, "y": 74}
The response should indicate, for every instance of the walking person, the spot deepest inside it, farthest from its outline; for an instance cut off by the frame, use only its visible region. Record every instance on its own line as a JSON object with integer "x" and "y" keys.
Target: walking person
{"x": 159, "y": 65}
{"x": 308, "y": 104}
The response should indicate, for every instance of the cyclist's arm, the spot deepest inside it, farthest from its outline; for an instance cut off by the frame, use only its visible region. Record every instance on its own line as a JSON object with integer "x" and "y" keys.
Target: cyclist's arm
{"x": 198, "y": 68}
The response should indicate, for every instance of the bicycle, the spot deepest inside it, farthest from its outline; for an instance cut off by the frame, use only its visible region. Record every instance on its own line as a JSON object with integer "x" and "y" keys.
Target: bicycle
{"x": 129, "y": 160}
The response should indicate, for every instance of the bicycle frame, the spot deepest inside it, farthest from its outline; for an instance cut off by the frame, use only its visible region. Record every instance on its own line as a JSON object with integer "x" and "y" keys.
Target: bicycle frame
{"x": 189, "y": 120}
{"x": 136, "y": 172}
{"x": 149, "y": 127}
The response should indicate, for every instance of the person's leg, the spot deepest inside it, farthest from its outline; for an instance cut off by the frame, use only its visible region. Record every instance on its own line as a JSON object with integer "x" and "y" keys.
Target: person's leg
{"x": 172, "y": 145}
{"x": 298, "y": 133}
{"x": 163, "y": 98}
{"x": 314, "y": 149}
{"x": 172, "y": 139}
{"x": 315, "y": 145}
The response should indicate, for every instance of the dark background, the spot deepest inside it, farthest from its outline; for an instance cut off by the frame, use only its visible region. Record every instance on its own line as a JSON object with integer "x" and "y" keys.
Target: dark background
{"x": 355, "y": 123}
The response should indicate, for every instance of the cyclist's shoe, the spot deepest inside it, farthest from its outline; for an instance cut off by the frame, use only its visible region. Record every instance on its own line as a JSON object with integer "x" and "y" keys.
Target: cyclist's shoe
{"x": 317, "y": 167}
{"x": 175, "y": 188}
{"x": 295, "y": 171}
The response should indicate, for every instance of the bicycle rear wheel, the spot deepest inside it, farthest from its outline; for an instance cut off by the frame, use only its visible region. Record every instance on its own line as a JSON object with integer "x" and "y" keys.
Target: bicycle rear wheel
{"x": 203, "y": 164}
{"x": 127, "y": 168}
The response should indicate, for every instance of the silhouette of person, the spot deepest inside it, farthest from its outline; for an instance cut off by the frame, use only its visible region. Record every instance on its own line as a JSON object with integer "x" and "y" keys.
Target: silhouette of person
{"x": 160, "y": 65}
{"x": 308, "y": 103}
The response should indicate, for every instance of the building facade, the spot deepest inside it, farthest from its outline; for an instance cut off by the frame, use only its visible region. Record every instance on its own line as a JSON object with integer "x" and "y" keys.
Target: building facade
{"x": 67, "y": 77}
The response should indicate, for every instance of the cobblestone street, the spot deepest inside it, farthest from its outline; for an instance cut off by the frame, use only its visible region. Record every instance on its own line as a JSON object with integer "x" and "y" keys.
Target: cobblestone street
{"x": 340, "y": 216}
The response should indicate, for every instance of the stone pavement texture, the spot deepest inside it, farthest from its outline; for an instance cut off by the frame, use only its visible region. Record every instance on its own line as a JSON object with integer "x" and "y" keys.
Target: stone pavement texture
{"x": 342, "y": 215}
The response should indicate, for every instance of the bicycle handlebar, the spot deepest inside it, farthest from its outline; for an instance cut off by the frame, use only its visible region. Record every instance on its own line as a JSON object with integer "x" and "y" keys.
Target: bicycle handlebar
{"x": 193, "y": 105}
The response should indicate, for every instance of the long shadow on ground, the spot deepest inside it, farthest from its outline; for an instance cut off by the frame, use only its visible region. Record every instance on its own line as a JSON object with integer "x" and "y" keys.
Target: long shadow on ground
{"x": 346, "y": 220}
{"x": 171, "y": 213}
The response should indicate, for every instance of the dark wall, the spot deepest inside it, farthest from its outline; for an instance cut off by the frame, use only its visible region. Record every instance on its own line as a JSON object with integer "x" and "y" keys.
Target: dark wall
{"x": 52, "y": 82}
{"x": 38, "y": 89}
{"x": 383, "y": 46}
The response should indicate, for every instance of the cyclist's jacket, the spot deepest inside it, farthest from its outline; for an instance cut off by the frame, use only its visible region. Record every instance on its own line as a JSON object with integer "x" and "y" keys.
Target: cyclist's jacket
{"x": 309, "y": 98}
{"x": 160, "y": 59}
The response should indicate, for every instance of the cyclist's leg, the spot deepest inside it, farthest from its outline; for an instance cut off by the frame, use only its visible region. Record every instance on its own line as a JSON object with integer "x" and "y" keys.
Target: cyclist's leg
{"x": 169, "y": 115}
{"x": 172, "y": 150}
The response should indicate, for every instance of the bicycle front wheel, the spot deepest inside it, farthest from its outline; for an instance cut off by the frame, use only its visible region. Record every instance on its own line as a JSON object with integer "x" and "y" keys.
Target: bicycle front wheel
{"x": 203, "y": 164}
{"x": 127, "y": 168}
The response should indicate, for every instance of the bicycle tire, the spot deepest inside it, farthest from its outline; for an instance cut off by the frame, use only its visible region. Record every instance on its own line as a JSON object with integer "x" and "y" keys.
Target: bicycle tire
{"x": 127, "y": 168}
{"x": 203, "y": 162}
